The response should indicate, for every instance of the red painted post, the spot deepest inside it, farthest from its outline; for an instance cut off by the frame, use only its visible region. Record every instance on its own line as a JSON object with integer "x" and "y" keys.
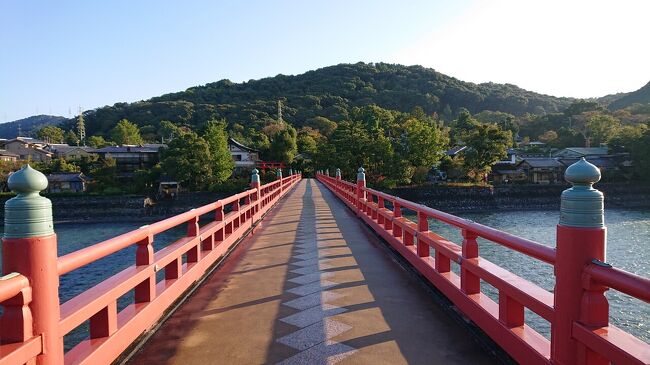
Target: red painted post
{"x": 581, "y": 238}
{"x": 397, "y": 213}
{"x": 511, "y": 312}
{"x": 361, "y": 194}
{"x": 29, "y": 247}
{"x": 380, "y": 206}
{"x": 219, "y": 216}
{"x": 423, "y": 226}
{"x": 255, "y": 184}
{"x": 17, "y": 316}
{"x": 469, "y": 283}
{"x": 146, "y": 290}
{"x": 235, "y": 208}
{"x": 193, "y": 229}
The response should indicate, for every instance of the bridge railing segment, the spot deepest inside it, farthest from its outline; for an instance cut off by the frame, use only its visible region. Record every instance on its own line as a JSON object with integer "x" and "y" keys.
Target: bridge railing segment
{"x": 577, "y": 309}
{"x": 32, "y": 329}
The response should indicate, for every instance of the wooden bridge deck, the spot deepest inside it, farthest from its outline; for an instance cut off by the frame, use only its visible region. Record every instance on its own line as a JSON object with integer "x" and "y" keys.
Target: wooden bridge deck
{"x": 310, "y": 286}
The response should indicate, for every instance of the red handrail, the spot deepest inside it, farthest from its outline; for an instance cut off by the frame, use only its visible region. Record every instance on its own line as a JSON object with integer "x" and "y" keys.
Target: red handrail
{"x": 111, "y": 332}
{"x": 598, "y": 342}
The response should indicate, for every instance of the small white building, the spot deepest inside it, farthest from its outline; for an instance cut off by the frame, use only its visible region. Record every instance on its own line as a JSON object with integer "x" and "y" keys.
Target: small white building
{"x": 244, "y": 157}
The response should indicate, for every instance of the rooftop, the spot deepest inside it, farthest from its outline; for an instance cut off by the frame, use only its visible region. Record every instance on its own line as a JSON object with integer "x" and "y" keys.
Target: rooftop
{"x": 541, "y": 162}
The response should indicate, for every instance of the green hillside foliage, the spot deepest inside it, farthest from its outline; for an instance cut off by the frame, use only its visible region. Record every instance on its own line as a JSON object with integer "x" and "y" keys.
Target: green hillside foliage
{"x": 641, "y": 96}
{"x": 327, "y": 94}
{"x": 28, "y": 126}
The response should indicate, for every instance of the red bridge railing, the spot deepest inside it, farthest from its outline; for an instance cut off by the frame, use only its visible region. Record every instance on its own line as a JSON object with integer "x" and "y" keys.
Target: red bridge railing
{"x": 31, "y": 331}
{"x": 577, "y": 310}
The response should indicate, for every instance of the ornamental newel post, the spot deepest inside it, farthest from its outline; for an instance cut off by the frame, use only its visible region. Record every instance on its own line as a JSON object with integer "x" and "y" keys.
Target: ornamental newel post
{"x": 255, "y": 184}
{"x": 581, "y": 238}
{"x": 255, "y": 179}
{"x": 327, "y": 172}
{"x": 279, "y": 174}
{"x": 361, "y": 184}
{"x": 290, "y": 172}
{"x": 29, "y": 247}
{"x": 338, "y": 174}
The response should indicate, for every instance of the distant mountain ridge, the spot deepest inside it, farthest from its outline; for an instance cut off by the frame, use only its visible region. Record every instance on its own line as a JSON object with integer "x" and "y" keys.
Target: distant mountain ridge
{"x": 641, "y": 96}
{"x": 28, "y": 126}
{"x": 329, "y": 92}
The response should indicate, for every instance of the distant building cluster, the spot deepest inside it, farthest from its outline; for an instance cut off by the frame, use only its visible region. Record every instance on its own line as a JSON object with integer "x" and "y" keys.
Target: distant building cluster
{"x": 534, "y": 164}
{"x": 128, "y": 158}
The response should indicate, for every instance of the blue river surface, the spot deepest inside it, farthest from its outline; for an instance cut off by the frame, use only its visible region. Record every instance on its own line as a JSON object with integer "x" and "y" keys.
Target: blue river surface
{"x": 628, "y": 248}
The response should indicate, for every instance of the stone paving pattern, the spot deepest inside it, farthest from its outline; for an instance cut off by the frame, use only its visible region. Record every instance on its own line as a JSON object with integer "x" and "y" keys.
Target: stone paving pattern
{"x": 311, "y": 285}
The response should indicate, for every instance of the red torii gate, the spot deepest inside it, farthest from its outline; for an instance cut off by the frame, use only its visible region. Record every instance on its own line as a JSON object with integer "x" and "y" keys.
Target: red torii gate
{"x": 265, "y": 165}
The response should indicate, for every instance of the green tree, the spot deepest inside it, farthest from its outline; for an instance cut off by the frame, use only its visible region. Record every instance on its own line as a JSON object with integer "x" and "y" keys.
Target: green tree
{"x": 601, "y": 128}
{"x": 323, "y": 125}
{"x": 486, "y": 144}
{"x": 187, "y": 160}
{"x": 283, "y": 145}
{"x": 220, "y": 158}
{"x": 71, "y": 138}
{"x": 51, "y": 134}
{"x": 104, "y": 174}
{"x": 307, "y": 140}
{"x": 169, "y": 130}
{"x": 126, "y": 132}
{"x": 61, "y": 165}
{"x": 641, "y": 154}
{"x": 97, "y": 142}
{"x": 423, "y": 143}
{"x": 504, "y": 120}
{"x": 462, "y": 126}
{"x": 627, "y": 138}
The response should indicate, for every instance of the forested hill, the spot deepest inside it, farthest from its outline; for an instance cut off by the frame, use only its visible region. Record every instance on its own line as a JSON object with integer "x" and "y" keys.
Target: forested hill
{"x": 28, "y": 126}
{"x": 329, "y": 92}
{"x": 641, "y": 96}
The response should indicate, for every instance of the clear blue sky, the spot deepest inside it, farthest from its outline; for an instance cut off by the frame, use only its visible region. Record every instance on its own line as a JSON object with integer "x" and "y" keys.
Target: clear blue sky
{"x": 56, "y": 56}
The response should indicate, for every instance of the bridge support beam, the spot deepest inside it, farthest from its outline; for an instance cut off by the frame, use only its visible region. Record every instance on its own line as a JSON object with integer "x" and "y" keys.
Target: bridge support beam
{"x": 29, "y": 247}
{"x": 581, "y": 239}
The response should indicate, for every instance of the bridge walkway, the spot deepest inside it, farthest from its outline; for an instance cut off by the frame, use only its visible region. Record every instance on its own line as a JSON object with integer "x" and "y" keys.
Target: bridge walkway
{"x": 312, "y": 285}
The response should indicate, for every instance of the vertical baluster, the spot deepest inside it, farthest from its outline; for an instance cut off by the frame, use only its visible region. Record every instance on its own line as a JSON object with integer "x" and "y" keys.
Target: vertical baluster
{"x": 374, "y": 207}
{"x": 469, "y": 283}
{"x": 219, "y": 235}
{"x": 594, "y": 312}
{"x": 380, "y": 207}
{"x": 423, "y": 226}
{"x": 235, "y": 208}
{"x": 193, "y": 229}
{"x": 511, "y": 312}
{"x": 397, "y": 213}
{"x": 146, "y": 290}
{"x": 16, "y": 321}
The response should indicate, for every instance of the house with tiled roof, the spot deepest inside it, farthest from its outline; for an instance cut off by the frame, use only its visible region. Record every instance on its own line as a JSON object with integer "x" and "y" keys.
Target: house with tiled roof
{"x": 244, "y": 156}
{"x": 28, "y": 149}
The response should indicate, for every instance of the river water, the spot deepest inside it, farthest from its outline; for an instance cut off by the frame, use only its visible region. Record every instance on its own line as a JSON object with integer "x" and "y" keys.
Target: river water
{"x": 628, "y": 248}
